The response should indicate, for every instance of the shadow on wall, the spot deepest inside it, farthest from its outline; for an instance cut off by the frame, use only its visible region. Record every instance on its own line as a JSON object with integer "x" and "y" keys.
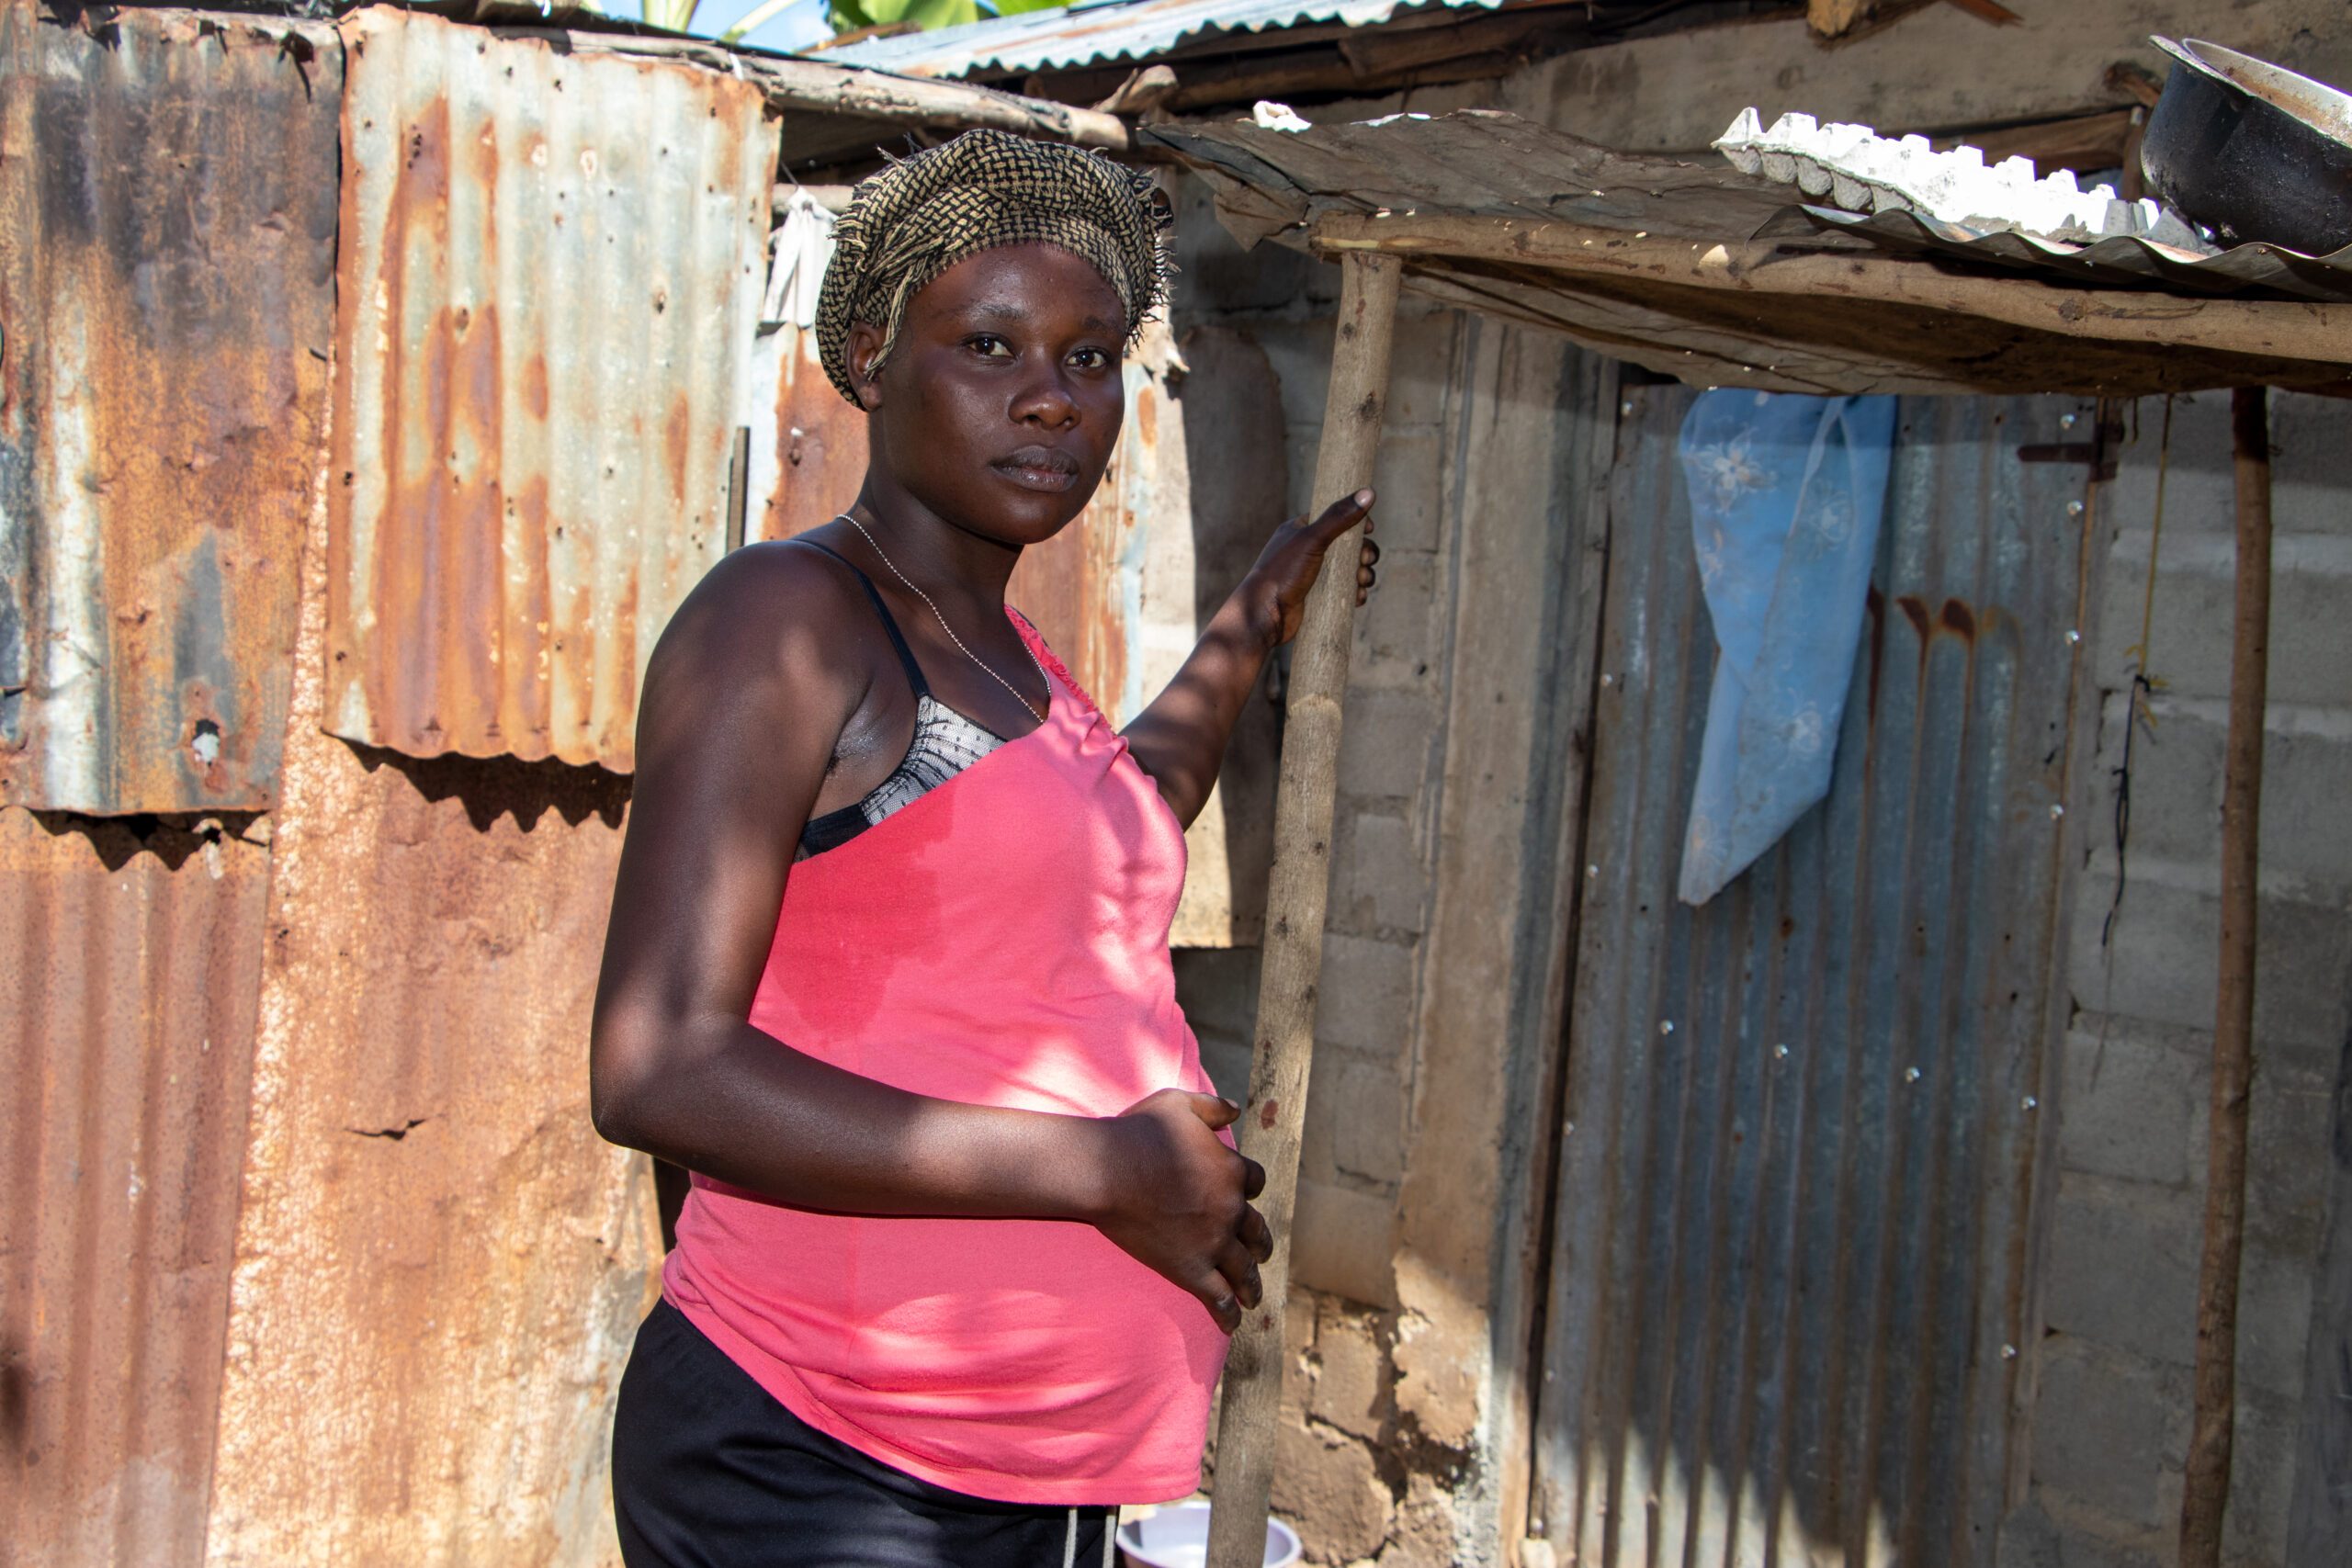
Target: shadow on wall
{"x": 492, "y": 788}
{"x": 172, "y": 839}
{"x": 1239, "y": 473}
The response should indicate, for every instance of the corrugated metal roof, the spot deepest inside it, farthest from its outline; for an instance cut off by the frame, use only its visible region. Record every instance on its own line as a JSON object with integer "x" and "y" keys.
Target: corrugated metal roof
{"x": 1105, "y": 31}
{"x": 550, "y": 281}
{"x": 129, "y": 974}
{"x": 1789, "y": 1314}
{"x": 1675, "y": 265}
{"x": 167, "y": 298}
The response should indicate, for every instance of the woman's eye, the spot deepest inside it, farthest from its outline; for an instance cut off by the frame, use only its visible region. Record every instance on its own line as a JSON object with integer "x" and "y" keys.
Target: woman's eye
{"x": 1091, "y": 359}
{"x": 991, "y": 346}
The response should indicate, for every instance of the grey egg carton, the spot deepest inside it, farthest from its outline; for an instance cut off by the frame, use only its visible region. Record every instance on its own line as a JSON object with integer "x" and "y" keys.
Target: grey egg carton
{"x": 1854, "y": 168}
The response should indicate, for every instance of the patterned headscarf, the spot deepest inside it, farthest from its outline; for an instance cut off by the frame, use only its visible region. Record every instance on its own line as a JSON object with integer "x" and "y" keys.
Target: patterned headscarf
{"x": 986, "y": 189}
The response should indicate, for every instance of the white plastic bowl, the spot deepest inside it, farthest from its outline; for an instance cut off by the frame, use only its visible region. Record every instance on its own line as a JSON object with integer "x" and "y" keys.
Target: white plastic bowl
{"x": 1179, "y": 1538}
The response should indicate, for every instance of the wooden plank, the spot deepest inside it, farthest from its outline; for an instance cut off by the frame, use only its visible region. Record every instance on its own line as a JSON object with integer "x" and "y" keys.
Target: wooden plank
{"x": 2206, "y": 1484}
{"x": 1297, "y": 889}
{"x": 2282, "y": 329}
{"x": 814, "y": 87}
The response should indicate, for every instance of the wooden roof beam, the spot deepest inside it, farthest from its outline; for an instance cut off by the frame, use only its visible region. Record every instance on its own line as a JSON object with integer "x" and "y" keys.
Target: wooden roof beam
{"x": 2282, "y": 329}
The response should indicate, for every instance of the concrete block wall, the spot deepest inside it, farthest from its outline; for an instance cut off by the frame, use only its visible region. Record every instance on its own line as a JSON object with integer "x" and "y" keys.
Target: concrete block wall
{"x": 2109, "y": 1429}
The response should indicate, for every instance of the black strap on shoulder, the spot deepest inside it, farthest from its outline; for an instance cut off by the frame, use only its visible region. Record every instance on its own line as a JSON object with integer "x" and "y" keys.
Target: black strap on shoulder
{"x": 890, "y": 622}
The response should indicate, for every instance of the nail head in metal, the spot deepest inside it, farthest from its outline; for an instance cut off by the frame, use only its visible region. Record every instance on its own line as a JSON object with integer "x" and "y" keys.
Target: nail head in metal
{"x": 1666, "y": 1026}
{"x": 1910, "y": 1074}
{"x": 2074, "y": 509}
{"x": 2066, "y": 420}
{"x": 2030, "y": 1102}
{"x": 1780, "y": 1052}
{"x": 2072, "y": 635}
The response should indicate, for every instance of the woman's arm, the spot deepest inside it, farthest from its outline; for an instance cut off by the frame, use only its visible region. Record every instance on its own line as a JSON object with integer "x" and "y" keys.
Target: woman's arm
{"x": 1179, "y": 740}
{"x": 742, "y": 702}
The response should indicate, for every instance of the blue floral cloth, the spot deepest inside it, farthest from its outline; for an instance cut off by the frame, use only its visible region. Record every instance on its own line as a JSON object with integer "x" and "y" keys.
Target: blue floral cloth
{"x": 1786, "y": 496}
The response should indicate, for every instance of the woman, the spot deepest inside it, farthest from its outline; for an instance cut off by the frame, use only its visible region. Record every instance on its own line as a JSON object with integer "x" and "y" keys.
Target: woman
{"x": 888, "y": 969}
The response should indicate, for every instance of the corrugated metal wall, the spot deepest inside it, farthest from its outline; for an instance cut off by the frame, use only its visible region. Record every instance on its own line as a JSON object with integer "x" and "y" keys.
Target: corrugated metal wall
{"x": 167, "y": 198}
{"x": 167, "y": 269}
{"x": 1789, "y": 1283}
{"x": 128, "y": 970}
{"x": 550, "y": 282}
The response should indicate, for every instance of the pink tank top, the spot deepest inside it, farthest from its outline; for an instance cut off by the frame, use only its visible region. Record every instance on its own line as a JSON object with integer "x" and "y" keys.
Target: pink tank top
{"x": 1000, "y": 940}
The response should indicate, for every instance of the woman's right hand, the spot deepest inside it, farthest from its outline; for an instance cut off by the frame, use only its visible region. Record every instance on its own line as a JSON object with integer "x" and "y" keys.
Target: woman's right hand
{"x": 1179, "y": 1199}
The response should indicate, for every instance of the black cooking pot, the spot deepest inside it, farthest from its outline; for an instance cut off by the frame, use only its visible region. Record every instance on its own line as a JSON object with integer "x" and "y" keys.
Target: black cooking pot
{"x": 2250, "y": 150}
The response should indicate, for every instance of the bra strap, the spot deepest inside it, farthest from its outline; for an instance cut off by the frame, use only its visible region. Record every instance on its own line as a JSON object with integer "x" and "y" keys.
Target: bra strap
{"x": 890, "y": 622}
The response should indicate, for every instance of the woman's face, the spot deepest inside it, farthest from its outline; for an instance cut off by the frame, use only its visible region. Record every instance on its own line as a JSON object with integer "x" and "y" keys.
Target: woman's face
{"x": 1000, "y": 404}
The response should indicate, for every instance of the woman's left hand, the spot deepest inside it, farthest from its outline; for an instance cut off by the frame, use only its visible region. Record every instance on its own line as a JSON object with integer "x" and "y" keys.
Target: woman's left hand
{"x": 1291, "y": 560}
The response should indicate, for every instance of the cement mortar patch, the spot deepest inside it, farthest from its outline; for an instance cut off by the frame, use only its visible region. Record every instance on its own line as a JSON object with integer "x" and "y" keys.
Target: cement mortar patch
{"x": 1325, "y": 1485}
{"x": 1352, "y": 1377}
{"x": 1441, "y": 1357}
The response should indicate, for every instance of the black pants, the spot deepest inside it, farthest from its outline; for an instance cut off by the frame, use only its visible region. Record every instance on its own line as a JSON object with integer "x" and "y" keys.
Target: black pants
{"x": 710, "y": 1472}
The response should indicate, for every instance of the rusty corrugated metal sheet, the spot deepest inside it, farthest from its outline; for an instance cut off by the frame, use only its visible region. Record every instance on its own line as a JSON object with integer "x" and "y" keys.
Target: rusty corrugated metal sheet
{"x": 128, "y": 971}
{"x": 548, "y": 285}
{"x": 1789, "y": 1276}
{"x": 810, "y": 452}
{"x": 167, "y": 187}
{"x": 440, "y": 1265}
{"x": 1100, "y": 31}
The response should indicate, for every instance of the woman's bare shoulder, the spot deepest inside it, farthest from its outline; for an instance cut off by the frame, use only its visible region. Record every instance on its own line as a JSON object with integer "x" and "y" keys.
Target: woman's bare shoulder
{"x": 774, "y": 626}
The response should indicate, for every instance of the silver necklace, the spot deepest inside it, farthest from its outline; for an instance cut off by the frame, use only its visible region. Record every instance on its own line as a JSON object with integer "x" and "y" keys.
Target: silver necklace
{"x": 984, "y": 664}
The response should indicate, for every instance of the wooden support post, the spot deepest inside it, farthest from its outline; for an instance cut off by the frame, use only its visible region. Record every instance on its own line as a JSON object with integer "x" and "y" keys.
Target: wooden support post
{"x": 2206, "y": 1490}
{"x": 1292, "y": 959}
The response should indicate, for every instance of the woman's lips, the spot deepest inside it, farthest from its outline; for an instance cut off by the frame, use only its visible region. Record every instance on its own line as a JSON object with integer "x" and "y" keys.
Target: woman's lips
{"x": 1038, "y": 468}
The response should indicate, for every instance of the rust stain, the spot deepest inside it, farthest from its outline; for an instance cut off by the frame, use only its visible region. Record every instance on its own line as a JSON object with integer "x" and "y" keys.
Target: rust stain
{"x": 539, "y": 453}
{"x": 1915, "y": 610}
{"x": 437, "y": 1319}
{"x": 1958, "y": 619}
{"x": 820, "y": 443}
{"x": 162, "y": 396}
{"x": 674, "y": 434}
{"x": 130, "y": 969}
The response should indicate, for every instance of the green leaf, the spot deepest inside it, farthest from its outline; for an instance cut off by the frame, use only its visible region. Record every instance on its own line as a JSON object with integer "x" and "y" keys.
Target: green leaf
{"x": 1015, "y": 7}
{"x": 930, "y": 14}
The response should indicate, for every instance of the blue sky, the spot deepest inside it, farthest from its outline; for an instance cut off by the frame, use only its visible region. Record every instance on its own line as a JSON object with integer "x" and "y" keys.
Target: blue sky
{"x": 799, "y": 25}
